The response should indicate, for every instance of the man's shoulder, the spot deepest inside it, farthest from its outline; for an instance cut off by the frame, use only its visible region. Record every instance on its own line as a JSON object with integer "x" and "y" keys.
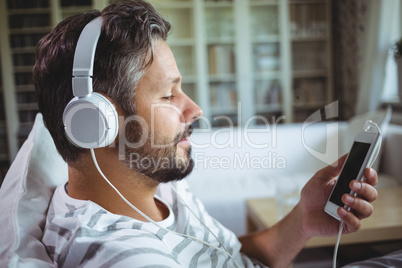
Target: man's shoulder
{"x": 90, "y": 235}
{"x": 92, "y": 247}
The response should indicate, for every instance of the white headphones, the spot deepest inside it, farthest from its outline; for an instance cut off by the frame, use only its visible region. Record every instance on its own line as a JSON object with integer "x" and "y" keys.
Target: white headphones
{"x": 90, "y": 120}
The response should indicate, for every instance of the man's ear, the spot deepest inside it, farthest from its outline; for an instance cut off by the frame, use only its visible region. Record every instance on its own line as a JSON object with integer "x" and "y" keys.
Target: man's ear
{"x": 120, "y": 115}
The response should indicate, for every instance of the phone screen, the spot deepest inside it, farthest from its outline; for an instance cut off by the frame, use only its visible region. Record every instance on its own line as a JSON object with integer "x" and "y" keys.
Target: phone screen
{"x": 350, "y": 171}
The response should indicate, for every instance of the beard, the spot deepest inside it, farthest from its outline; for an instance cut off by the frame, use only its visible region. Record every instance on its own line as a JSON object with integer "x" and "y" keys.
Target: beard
{"x": 157, "y": 160}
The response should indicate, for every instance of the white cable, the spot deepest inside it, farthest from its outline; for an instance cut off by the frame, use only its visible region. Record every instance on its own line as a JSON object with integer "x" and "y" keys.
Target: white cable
{"x": 366, "y": 127}
{"x": 152, "y": 221}
{"x": 185, "y": 204}
{"x": 337, "y": 245}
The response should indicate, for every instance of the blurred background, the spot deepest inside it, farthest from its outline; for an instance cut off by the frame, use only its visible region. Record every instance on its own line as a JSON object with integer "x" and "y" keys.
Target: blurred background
{"x": 243, "y": 61}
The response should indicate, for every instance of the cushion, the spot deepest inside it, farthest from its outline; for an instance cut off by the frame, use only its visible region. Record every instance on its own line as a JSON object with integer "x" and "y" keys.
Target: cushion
{"x": 393, "y": 259}
{"x": 25, "y": 195}
{"x": 391, "y": 159}
{"x": 356, "y": 124}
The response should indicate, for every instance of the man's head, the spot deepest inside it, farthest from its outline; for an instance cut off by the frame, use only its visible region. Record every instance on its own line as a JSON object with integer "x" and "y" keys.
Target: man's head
{"x": 132, "y": 34}
{"x": 165, "y": 116}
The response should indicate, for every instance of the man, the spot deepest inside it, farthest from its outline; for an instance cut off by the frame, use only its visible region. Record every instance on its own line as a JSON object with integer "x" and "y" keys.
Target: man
{"x": 89, "y": 224}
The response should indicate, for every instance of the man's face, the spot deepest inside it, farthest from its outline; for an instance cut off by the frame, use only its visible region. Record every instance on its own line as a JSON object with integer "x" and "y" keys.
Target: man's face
{"x": 165, "y": 115}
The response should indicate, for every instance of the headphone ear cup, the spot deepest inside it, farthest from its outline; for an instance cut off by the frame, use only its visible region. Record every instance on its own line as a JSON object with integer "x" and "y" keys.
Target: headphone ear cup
{"x": 91, "y": 121}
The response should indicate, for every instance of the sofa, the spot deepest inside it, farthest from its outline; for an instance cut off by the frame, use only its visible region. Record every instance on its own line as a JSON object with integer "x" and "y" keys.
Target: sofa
{"x": 233, "y": 165}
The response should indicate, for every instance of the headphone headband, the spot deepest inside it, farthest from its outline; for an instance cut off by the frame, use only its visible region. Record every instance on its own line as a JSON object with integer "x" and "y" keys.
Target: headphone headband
{"x": 90, "y": 119}
{"x": 84, "y": 58}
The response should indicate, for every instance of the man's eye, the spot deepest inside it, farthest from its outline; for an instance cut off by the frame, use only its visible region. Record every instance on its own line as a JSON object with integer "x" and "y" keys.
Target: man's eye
{"x": 169, "y": 98}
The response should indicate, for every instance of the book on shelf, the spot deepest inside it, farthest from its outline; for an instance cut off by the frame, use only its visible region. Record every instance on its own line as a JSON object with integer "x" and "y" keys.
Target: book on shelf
{"x": 223, "y": 95}
{"x": 25, "y": 59}
{"x": 266, "y": 57}
{"x": 3, "y": 131}
{"x": 301, "y": 116}
{"x": 2, "y": 111}
{"x": 272, "y": 117}
{"x": 221, "y": 59}
{"x": 308, "y": 19}
{"x": 3, "y": 145}
{"x": 29, "y": 21}
{"x": 72, "y": 3}
{"x": 26, "y": 97}
{"x": 228, "y": 121}
{"x": 184, "y": 60}
{"x": 25, "y": 40}
{"x": 264, "y": 21}
{"x": 219, "y": 23}
{"x": 309, "y": 56}
{"x": 25, "y": 4}
{"x": 23, "y": 79}
{"x": 309, "y": 90}
{"x": 267, "y": 92}
{"x": 27, "y": 116}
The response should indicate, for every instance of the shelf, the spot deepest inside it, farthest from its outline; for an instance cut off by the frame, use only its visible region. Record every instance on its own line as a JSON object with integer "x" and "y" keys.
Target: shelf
{"x": 31, "y": 30}
{"x": 25, "y": 88}
{"x": 308, "y": 106}
{"x": 181, "y": 42}
{"x": 267, "y": 75}
{"x": 29, "y": 11}
{"x": 75, "y": 9}
{"x": 222, "y": 4}
{"x": 23, "y": 50}
{"x": 23, "y": 69}
{"x": 28, "y": 106}
{"x": 176, "y": 5}
{"x": 25, "y": 129}
{"x": 263, "y": 3}
{"x": 273, "y": 38}
{"x": 3, "y": 157}
{"x": 309, "y": 38}
{"x": 223, "y": 110}
{"x": 188, "y": 79}
{"x": 307, "y": 2}
{"x": 217, "y": 78}
{"x": 309, "y": 73}
{"x": 2, "y": 126}
{"x": 222, "y": 40}
{"x": 269, "y": 108}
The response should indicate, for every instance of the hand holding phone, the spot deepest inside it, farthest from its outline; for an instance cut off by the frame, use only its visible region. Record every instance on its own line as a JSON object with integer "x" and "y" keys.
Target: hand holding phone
{"x": 358, "y": 159}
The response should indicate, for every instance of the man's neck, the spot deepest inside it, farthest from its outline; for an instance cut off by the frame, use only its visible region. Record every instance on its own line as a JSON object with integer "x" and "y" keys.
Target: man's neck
{"x": 86, "y": 183}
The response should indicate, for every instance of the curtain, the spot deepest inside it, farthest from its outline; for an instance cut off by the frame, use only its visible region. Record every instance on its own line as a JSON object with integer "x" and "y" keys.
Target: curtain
{"x": 349, "y": 26}
{"x": 384, "y": 19}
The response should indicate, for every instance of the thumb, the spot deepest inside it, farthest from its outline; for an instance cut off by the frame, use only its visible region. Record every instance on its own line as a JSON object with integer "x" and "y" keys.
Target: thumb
{"x": 335, "y": 168}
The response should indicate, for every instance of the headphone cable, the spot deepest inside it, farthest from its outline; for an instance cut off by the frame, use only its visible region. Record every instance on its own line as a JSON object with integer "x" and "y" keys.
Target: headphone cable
{"x": 157, "y": 224}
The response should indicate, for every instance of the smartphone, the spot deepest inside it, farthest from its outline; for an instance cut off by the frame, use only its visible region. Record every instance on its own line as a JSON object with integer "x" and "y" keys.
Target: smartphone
{"x": 356, "y": 162}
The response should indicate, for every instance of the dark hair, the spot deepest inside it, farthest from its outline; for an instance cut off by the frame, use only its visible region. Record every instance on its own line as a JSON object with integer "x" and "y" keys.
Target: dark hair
{"x": 124, "y": 50}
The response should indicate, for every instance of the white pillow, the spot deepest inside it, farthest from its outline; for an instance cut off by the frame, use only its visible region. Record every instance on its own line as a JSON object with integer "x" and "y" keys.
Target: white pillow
{"x": 356, "y": 124}
{"x": 25, "y": 195}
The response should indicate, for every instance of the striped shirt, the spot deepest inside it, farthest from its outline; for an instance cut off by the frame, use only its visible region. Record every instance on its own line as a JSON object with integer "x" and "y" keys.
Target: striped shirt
{"x": 80, "y": 233}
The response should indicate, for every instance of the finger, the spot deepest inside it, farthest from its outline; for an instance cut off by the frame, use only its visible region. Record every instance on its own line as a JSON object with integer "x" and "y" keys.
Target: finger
{"x": 371, "y": 176}
{"x": 362, "y": 209}
{"x": 352, "y": 223}
{"x": 364, "y": 190}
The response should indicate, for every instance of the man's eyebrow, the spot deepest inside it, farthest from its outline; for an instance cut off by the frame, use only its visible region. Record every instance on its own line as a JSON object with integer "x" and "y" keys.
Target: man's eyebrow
{"x": 175, "y": 80}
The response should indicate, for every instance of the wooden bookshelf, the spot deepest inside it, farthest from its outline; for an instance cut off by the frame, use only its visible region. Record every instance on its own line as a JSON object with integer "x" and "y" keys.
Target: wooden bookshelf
{"x": 273, "y": 57}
